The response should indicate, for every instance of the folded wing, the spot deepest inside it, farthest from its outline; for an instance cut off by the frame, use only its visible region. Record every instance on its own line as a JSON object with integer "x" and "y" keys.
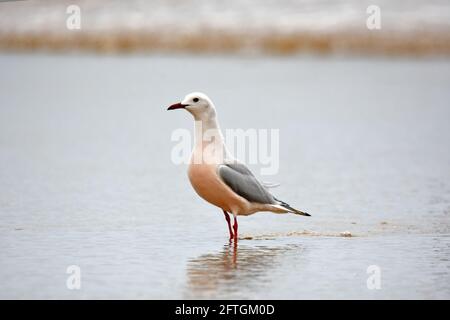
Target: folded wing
{"x": 242, "y": 181}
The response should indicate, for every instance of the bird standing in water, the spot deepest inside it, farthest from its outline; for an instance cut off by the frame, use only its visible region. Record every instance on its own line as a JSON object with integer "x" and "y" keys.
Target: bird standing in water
{"x": 217, "y": 176}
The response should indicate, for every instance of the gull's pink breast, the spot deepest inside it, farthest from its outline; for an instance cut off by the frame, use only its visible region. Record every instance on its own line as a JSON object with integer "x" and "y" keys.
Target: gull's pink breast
{"x": 207, "y": 184}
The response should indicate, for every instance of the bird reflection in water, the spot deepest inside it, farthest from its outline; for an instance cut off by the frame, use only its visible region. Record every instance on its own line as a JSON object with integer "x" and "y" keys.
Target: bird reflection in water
{"x": 224, "y": 273}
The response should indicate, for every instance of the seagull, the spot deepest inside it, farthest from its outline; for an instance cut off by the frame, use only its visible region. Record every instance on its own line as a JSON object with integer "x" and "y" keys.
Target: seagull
{"x": 217, "y": 176}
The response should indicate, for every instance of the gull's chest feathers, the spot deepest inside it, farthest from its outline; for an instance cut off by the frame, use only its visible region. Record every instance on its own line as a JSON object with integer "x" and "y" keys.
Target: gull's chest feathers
{"x": 209, "y": 186}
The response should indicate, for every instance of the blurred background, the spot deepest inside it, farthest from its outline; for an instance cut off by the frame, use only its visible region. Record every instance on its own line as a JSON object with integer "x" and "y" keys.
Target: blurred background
{"x": 408, "y": 27}
{"x": 86, "y": 176}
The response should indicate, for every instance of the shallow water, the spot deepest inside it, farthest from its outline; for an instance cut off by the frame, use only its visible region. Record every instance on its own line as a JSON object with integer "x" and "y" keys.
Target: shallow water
{"x": 86, "y": 178}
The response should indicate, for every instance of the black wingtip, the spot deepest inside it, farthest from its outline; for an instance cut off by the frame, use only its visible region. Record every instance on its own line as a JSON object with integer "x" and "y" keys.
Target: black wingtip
{"x": 302, "y": 213}
{"x": 293, "y": 210}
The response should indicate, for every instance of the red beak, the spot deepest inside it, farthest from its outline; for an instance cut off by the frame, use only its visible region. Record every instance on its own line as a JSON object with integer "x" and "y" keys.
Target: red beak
{"x": 176, "y": 106}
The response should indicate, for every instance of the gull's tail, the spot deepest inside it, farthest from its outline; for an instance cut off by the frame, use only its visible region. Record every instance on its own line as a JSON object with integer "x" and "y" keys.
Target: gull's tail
{"x": 287, "y": 207}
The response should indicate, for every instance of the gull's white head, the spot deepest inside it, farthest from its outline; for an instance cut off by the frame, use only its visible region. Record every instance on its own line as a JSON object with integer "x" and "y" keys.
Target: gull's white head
{"x": 198, "y": 104}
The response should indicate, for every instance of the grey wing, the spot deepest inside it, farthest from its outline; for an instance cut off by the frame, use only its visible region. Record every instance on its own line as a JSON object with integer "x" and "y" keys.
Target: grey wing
{"x": 242, "y": 181}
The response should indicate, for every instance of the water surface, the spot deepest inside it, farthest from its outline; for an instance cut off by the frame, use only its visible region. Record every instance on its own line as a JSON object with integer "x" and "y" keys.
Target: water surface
{"x": 86, "y": 178}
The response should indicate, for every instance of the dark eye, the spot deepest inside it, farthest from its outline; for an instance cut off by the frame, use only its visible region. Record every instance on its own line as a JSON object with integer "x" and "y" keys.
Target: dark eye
{"x": 195, "y": 99}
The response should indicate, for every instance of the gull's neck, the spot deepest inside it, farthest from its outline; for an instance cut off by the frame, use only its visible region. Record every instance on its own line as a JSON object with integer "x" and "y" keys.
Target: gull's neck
{"x": 209, "y": 141}
{"x": 206, "y": 131}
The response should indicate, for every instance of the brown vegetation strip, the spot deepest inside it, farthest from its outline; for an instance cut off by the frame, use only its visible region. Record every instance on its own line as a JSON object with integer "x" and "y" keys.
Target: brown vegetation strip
{"x": 370, "y": 43}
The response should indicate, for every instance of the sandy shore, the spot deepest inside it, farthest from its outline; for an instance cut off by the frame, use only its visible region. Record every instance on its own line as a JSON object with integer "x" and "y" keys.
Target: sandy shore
{"x": 366, "y": 43}
{"x": 256, "y": 27}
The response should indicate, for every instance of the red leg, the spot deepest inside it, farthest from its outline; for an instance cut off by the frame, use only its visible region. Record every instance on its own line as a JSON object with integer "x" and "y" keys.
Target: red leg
{"x": 227, "y": 217}
{"x": 235, "y": 228}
